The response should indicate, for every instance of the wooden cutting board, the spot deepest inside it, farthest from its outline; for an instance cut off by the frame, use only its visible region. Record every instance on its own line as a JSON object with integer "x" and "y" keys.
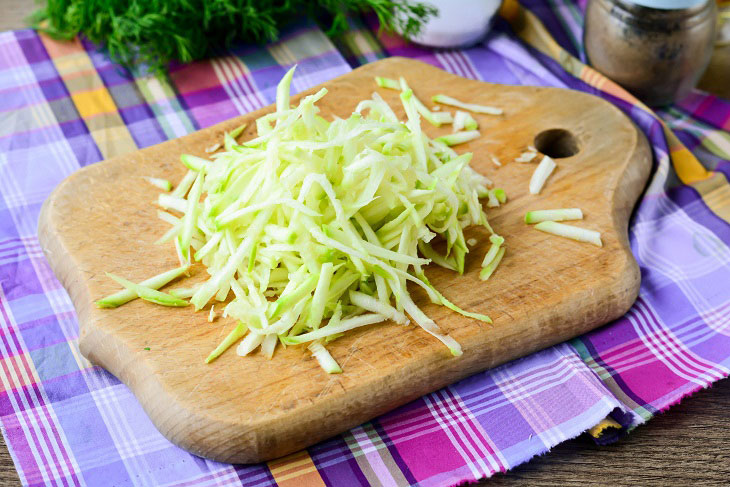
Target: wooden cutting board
{"x": 247, "y": 409}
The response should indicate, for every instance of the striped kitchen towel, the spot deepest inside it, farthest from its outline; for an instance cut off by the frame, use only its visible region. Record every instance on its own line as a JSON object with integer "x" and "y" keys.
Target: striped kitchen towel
{"x": 65, "y": 105}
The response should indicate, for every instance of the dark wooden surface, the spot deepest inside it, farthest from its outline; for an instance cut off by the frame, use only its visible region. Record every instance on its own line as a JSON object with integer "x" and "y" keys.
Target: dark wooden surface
{"x": 8, "y": 475}
{"x": 688, "y": 445}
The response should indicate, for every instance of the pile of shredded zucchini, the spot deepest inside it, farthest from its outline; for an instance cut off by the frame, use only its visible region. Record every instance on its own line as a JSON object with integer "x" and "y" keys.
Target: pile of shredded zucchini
{"x": 317, "y": 226}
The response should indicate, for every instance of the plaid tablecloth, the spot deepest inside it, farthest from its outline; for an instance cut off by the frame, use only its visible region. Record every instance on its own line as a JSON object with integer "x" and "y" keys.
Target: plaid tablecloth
{"x": 65, "y": 105}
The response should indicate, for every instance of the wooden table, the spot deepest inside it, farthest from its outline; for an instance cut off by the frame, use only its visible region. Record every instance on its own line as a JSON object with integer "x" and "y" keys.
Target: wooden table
{"x": 688, "y": 445}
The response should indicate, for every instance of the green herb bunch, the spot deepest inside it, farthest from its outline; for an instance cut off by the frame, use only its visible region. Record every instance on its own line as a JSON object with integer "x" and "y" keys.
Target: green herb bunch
{"x": 155, "y": 32}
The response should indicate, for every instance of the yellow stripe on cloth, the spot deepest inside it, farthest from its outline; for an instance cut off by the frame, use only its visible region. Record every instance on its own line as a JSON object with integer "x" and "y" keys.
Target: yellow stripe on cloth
{"x": 91, "y": 98}
{"x": 95, "y": 102}
{"x": 296, "y": 470}
{"x": 686, "y": 165}
{"x": 712, "y": 187}
{"x": 602, "y": 426}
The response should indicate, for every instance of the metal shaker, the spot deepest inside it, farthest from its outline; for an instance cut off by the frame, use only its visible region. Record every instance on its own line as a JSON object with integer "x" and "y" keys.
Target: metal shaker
{"x": 656, "y": 49}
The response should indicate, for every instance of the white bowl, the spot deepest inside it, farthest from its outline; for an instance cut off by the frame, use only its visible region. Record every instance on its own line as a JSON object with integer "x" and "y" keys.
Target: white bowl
{"x": 459, "y": 23}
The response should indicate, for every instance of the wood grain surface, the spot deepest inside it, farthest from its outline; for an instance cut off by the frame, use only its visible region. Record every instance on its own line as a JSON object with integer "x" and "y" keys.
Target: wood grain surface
{"x": 546, "y": 290}
{"x": 694, "y": 432}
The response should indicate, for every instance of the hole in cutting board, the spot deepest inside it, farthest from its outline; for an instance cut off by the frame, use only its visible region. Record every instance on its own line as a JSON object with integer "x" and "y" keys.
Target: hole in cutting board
{"x": 557, "y": 143}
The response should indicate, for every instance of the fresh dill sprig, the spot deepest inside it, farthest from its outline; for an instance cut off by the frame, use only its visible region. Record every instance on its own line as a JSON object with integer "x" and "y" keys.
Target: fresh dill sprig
{"x": 156, "y": 32}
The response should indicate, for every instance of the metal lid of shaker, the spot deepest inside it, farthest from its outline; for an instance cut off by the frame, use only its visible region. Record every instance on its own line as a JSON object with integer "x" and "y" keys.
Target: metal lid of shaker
{"x": 668, "y": 4}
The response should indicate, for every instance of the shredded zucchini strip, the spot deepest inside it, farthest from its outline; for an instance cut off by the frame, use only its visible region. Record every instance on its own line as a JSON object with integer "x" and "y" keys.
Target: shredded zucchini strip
{"x": 472, "y": 107}
{"x": 561, "y": 214}
{"x": 155, "y": 282}
{"x": 541, "y": 174}
{"x": 571, "y": 232}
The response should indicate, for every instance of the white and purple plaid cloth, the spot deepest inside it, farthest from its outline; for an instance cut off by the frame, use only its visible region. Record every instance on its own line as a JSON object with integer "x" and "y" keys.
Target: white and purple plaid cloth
{"x": 65, "y": 105}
